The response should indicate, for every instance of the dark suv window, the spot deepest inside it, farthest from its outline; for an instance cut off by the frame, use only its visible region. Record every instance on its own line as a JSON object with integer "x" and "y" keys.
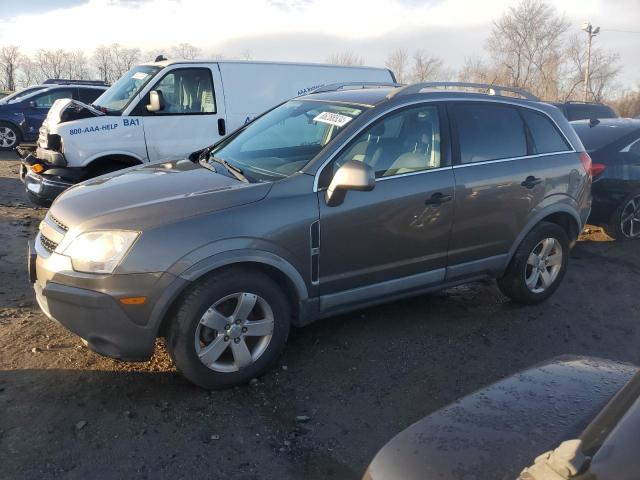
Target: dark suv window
{"x": 404, "y": 142}
{"x": 489, "y": 132}
{"x": 545, "y": 135}
{"x": 587, "y": 111}
{"x": 88, "y": 95}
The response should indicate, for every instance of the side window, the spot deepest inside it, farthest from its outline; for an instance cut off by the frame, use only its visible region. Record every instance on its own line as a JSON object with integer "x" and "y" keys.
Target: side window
{"x": 489, "y": 132}
{"x": 46, "y": 100}
{"x": 187, "y": 91}
{"x": 404, "y": 142}
{"x": 545, "y": 135}
{"x": 88, "y": 95}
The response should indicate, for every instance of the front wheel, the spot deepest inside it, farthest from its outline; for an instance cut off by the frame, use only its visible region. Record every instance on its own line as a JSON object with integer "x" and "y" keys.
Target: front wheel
{"x": 229, "y": 328}
{"x": 9, "y": 136}
{"x": 625, "y": 221}
{"x": 538, "y": 266}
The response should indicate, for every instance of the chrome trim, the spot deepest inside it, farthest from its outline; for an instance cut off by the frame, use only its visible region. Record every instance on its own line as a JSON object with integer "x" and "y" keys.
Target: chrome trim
{"x": 510, "y": 159}
{"x": 445, "y": 99}
{"x": 627, "y": 149}
{"x": 409, "y": 174}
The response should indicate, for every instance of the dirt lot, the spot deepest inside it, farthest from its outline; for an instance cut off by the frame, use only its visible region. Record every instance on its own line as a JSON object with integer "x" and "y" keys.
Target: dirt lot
{"x": 360, "y": 378}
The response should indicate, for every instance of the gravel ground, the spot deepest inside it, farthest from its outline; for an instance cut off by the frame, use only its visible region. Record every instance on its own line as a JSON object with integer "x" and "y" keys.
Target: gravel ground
{"x": 343, "y": 387}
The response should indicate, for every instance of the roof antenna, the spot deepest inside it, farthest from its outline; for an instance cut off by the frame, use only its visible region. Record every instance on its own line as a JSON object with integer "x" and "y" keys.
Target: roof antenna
{"x": 160, "y": 58}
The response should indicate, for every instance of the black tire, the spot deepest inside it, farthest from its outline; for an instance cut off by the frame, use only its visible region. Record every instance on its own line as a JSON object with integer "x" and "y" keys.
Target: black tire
{"x": 16, "y": 133}
{"x": 613, "y": 228}
{"x": 513, "y": 284}
{"x": 182, "y": 330}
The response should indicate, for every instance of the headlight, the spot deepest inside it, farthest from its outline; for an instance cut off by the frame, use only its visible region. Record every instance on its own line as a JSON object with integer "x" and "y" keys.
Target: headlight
{"x": 100, "y": 252}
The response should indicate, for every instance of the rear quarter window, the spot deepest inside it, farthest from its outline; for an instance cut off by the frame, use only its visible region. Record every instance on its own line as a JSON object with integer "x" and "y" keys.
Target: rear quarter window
{"x": 545, "y": 135}
{"x": 489, "y": 132}
{"x": 88, "y": 95}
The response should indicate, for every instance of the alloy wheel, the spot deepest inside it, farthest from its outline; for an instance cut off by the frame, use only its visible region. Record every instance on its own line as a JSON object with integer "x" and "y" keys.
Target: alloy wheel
{"x": 544, "y": 265}
{"x": 234, "y": 332}
{"x": 8, "y": 137}
{"x": 630, "y": 218}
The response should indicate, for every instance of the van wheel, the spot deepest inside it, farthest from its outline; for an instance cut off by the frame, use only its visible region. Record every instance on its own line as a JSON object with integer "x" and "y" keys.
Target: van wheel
{"x": 625, "y": 221}
{"x": 9, "y": 136}
{"x": 538, "y": 266}
{"x": 229, "y": 328}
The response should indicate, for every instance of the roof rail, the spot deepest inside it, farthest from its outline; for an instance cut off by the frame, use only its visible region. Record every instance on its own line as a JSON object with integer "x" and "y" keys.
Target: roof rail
{"x": 333, "y": 87}
{"x": 491, "y": 89}
{"x": 62, "y": 81}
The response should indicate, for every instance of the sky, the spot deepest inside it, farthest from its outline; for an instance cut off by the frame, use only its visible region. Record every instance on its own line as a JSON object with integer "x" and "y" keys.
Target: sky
{"x": 301, "y": 30}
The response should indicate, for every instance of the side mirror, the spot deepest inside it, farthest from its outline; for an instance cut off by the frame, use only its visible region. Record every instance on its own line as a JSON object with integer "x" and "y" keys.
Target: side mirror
{"x": 353, "y": 175}
{"x": 156, "y": 102}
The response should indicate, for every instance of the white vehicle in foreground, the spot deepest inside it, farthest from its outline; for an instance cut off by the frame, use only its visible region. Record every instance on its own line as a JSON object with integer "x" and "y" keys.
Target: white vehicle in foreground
{"x": 164, "y": 111}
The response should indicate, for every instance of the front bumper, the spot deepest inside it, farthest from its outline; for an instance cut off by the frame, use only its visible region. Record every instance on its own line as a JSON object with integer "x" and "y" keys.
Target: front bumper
{"x": 43, "y": 188}
{"x": 89, "y": 305}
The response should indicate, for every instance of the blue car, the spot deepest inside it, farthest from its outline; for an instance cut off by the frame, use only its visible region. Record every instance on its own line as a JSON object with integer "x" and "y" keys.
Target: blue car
{"x": 22, "y": 113}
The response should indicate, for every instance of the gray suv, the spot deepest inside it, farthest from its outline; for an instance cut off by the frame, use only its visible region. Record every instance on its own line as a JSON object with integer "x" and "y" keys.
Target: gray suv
{"x": 334, "y": 201}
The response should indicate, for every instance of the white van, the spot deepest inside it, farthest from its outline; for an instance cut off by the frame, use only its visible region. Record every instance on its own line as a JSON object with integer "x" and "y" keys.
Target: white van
{"x": 163, "y": 111}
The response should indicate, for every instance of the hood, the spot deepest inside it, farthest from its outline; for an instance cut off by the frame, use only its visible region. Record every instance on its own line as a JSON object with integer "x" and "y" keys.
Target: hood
{"x": 147, "y": 196}
{"x": 497, "y": 431}
{"x": 67, "y": 110}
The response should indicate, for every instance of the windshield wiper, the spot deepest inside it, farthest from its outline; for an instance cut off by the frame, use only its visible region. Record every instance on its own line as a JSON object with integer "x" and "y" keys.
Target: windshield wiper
{"x": 232, "y": 169}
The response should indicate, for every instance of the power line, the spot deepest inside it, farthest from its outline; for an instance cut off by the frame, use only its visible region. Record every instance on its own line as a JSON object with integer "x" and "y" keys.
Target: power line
{"x": 620, "y": 31}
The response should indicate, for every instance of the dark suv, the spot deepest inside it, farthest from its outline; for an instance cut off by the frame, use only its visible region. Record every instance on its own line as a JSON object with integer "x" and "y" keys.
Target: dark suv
{"x": 22, "y": 114}
{"x": 585, "y": 111}
{"x": 330, "y": 202}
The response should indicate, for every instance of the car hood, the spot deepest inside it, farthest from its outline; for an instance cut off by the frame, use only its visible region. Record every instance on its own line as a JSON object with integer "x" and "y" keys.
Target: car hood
{"x": 146, "y": 196}
{"x": 497, "y": 431}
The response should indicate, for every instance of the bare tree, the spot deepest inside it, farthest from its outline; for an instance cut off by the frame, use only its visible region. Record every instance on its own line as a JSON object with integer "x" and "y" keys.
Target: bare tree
{"x": 103, "y": 62}
{"x": 51, "y": 62}
{"x": 475, "y": 70}
{"x": 123, "y": 59}
{"x": 426, "y": 67}
{"x": 345, "y": 58}
{"x": 186, "y": 51}
{"x": 628, "y": 104}
{"x": 217, "y": 56}
{"x": 9, "y": 60}
{"x": 526, "y": 44}
{"x": 30, "y": 73}
{"x": 397, "y": 62}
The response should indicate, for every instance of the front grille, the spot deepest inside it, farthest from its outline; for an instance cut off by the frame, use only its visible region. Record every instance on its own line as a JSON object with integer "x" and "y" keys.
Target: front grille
{"x": 49, "y": 245}
{"x": 58, "y": 223}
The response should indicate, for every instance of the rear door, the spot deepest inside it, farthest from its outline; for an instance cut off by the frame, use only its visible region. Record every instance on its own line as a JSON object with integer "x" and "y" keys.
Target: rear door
{"x": 507, "y": 160}
{"x": 401, "y": 228}
{"x": 193, "y": 104}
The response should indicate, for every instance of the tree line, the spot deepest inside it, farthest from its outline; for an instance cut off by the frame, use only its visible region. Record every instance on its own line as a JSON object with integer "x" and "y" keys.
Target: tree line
{"x": 530, "y": 46}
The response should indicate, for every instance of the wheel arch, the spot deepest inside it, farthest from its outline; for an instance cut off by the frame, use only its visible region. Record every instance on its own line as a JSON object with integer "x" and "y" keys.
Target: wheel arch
{"x": 276, "y": 268}
{"x": 124, "y": 159}
{"x": 560, "y": 214}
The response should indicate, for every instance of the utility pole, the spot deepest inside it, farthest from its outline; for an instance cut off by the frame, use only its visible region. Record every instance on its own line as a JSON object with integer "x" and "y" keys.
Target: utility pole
{"x": 591, "y": 32}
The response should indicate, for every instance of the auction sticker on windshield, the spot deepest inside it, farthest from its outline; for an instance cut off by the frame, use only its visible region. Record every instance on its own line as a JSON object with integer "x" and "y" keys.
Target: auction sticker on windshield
{"x": 140, "y": 75}
{"x": 333, "y": 119}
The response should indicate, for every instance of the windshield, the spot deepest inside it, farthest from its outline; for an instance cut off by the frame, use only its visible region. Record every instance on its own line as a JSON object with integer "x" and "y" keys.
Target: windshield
{"x": 19, "y": 96}
{"x": 284, "y": 140}
{"x": 118, "y": 96}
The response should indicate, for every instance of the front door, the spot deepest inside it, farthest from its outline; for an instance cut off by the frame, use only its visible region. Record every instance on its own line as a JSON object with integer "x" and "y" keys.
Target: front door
{"x": 37, "y": 107}
{"x": 189, "y": 119}
{"x": 401, "y": 228}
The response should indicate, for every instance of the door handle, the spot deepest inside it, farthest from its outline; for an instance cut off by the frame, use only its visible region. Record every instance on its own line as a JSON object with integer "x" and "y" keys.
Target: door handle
{"x": 438, "y": 199}
{"x": 222, "y": 128}
{"x": 531, "y": 182}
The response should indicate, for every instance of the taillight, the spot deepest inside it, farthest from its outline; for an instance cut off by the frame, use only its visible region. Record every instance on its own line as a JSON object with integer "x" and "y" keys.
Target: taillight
{"x": 597, "y": 169}
{"x": 586, "y": 162}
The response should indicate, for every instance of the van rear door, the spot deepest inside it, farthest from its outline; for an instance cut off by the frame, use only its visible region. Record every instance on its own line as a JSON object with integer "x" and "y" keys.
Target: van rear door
{"x": 193, "y": 102}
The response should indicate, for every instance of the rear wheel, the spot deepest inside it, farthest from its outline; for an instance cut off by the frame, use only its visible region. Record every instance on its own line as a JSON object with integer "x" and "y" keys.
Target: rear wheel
{"x": 538, "y": 266}
{"x": 229, "y": 328}
{"x": 625, "y": 221}
{"x": 9, "y": 136}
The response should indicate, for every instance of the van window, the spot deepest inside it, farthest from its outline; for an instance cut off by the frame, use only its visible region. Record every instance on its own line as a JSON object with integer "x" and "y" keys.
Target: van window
{"x": 187, "y": 91}
{"x": 489, "y": 132}
{"x": 404, "y": 142}
{"x": 546, "y": 137}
